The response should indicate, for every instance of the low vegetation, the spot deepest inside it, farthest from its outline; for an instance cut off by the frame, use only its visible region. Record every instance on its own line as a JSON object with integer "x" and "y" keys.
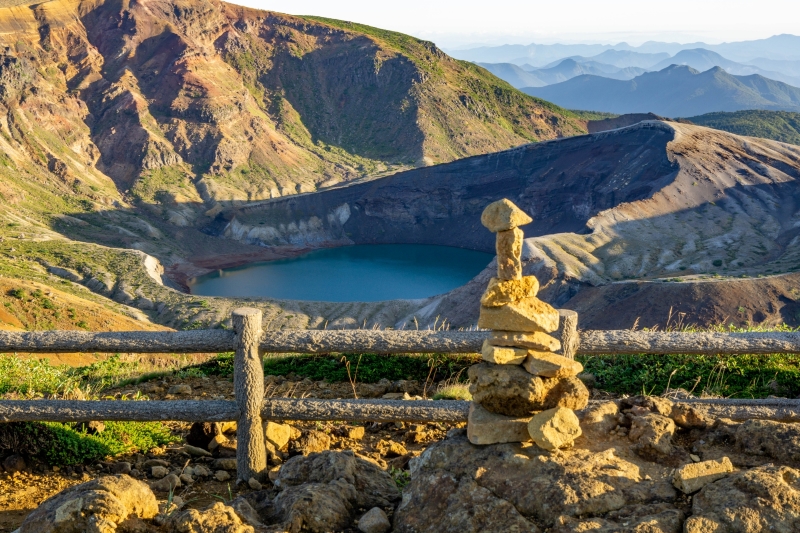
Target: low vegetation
{"x": 64, "y": 445}
{"x": 782, "y": 126}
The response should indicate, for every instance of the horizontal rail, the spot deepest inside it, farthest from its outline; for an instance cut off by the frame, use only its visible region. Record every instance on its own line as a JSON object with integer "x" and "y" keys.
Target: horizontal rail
{"x": 388, "y": 342}
{"x": 225, "y": 411}
{"x": 784, "y": 410}
{"x": 652, "y": 342}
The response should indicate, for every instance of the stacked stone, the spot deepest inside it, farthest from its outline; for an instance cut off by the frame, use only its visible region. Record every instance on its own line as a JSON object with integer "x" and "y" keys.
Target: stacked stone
{"x": 523, "y": 390}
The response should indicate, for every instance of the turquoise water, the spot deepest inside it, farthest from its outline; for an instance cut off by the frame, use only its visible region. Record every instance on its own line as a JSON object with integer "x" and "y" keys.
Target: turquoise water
{"x": 364, "y": 273}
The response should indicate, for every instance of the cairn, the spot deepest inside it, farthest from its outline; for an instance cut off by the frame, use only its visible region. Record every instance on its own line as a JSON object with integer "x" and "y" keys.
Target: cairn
{"x": 523, "y": 390}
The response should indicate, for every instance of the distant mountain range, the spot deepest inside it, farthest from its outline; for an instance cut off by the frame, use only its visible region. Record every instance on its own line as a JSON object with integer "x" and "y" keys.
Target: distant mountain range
{"x": 702, "y": 60}
{"x": 561, "y": 71}
{"x": 626, "y": 65}
{"x": 676, "y": 91}
{"x": 778, "y": 47}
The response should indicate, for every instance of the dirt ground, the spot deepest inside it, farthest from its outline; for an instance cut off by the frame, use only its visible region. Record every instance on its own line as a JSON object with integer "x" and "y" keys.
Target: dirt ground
{"x": 390, "y": 445}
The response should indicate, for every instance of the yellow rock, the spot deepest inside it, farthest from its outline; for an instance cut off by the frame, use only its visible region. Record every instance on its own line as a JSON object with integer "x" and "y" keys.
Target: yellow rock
{"x": 503, "y": 215}
{"x": 550, "y": 365}
{"x": 509, "y": 252}
{"x": 484, "y": 427}
{"x": 505, "y": 291}
{"x": 693, "y": 477}
{"x": 528, "y": 315}
{"x": 554, "y": 428}
{"x": 534, "y": 341}
{"x": 502, "y": 355}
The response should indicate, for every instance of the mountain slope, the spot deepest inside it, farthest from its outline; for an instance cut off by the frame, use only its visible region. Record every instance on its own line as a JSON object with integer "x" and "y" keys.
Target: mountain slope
{"x": 189, "y": 106}
{"x": 619, "y": 218}
{"x": 673, "y": 91}
{"x": 776, "y": 125}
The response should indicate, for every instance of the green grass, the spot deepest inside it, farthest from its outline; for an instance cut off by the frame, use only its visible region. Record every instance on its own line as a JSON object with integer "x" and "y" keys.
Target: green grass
{"x": 365, "y": 368}
{"x": 62, "y": 445}
{"x": 782, "y": 126}
{"x": 592, "y": 115}
{"x": 734, "y": 376}
{"x": 34, "y": 377}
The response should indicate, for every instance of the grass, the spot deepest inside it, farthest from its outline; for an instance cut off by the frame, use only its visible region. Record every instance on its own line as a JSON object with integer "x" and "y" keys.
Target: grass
{"x": 62, "y": 445}
{"x": 781, "y": 126}
{"x": 37, "y": 377}
{"x": 371, "y": 367}
{"x": 733, "y": 376}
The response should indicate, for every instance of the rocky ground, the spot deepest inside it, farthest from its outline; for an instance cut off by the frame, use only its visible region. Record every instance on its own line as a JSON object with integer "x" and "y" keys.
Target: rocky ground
{"x": 641, "y": 465}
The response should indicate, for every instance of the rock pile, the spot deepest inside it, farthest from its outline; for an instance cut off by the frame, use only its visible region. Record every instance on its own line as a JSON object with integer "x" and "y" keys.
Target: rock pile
{"x": 524, "y": 390}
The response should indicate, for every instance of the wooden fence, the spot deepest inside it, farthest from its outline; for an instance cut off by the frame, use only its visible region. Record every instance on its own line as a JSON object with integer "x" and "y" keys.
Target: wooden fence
{"x": 249, "y": 342}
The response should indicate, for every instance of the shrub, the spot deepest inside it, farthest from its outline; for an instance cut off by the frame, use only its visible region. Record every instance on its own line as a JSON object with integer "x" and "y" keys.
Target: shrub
{"x": 62, "y": 445}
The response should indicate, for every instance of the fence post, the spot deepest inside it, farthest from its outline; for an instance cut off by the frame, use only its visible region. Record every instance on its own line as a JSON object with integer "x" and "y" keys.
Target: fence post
{"x": 248, "y": 384}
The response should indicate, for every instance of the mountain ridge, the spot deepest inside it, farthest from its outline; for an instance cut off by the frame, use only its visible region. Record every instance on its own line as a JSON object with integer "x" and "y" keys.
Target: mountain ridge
{"x": 674, "y": 91}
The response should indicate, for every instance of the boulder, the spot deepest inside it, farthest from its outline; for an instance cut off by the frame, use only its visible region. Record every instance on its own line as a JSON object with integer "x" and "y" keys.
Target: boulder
{"x": 509, "y": 253}
{"x": 374, "y": 521}
{"x": 565, "y": 392}
{"x": 655, "y": 518}
{"x": 101, "y": 505}
{"x": 502, "y": 355}
{"x": 692, "y": 477}
{"x": 374, "y": 487}
{"x": 506, "y": 389}
{"x": 688, "y": 417}
{"x": 538, "y": 485}
{"x": 171, "y": 482}
{"x": 599, "y": 419}
{"x": 356, "y": 432}
{"x": 529, "y": 315}
{"x": 202, "y": 433}
{"x": 501, "y": 292}
{"x": 322, "y": 492}
{"x": 14, "y": 463}
{"x": 534, "y": 341}
{"x": 765, "y": 498}
{"x": 484, "y": 427}
{"x": 503, "y": 215}
{"x": 550, "y": 365}
{"x": 311, "y": 441}
{"x": 778, "y": 440}
{"x": 652, "y": 435}
{"x": 640, "y": 405}
{"x": 554, "y": 428}
{"x": 278, "y": 434}
{"x": 314, "y": 507}
{"x": 440, "y": 502}
{"x": 224, "y": 464}
{"x": 216, "y": 518}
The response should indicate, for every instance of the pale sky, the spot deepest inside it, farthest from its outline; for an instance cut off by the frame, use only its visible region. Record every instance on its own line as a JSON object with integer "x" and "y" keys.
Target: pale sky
{"x": 452, "y": 23}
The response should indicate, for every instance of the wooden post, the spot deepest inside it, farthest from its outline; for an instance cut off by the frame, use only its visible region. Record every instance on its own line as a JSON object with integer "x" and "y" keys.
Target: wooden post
{"x": 568, "y": 332}
{"x": 248, "y": 384}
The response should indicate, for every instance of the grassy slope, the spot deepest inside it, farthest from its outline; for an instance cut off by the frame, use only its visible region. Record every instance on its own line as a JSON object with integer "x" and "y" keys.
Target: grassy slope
{"x": 780, "y": 126}
{"x": 487, "y": 103}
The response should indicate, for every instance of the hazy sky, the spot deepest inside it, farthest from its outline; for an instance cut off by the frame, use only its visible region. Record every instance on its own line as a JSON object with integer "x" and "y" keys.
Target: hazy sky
{"x": 456, "y": 23}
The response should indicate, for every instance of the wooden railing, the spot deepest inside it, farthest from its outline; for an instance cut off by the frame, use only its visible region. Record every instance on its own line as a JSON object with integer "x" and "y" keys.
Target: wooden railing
{"x": 250, "y": 408}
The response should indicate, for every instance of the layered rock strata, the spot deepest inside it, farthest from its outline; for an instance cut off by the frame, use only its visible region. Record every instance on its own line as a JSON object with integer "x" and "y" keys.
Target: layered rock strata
{"x": 523, "y": 390}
